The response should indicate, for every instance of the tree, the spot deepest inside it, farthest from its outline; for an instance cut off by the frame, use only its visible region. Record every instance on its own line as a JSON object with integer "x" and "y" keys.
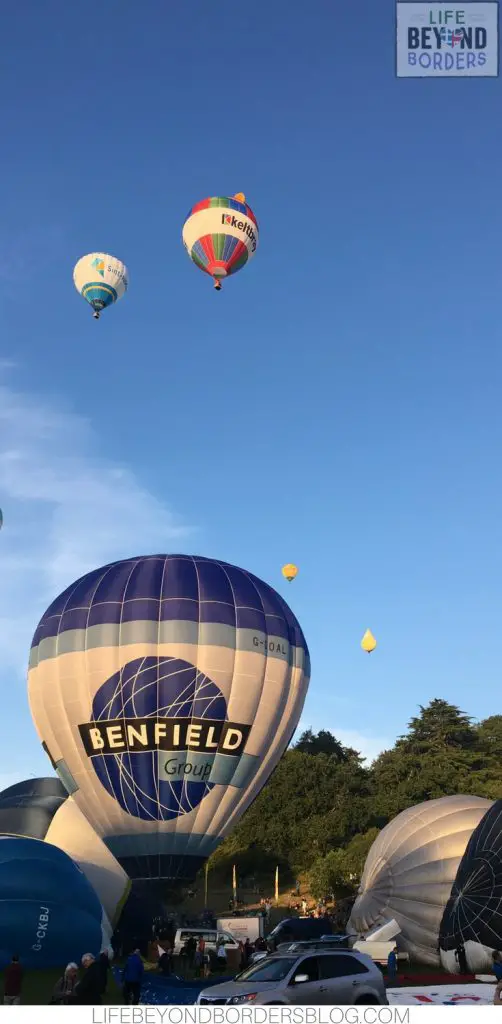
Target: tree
{"x": 324, "y": 743}
{"x": 355, "y": 854}
{"x": 326, "y": 875}
{"x": 441, "y": 724}
{"x": 322, "y": 808}
{"x": 437, "y": 757}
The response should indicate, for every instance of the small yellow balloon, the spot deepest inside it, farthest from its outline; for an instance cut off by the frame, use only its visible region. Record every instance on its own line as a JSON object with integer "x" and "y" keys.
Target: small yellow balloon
{"x": 240, "y": 197}
{"x": 368, "y": 642}
{"x": 289, "y": 572}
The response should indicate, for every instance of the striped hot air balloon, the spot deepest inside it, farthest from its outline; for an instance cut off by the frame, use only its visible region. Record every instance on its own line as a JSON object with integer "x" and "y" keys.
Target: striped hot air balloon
{"x": 201, "y": 668}
{"x": 220, "y": 235}
{"x": 101, "y": 280}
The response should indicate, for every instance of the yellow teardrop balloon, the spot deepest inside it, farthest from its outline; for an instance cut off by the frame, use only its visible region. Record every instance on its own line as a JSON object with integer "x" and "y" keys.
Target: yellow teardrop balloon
{"x": 368, "y": 642}
{"x": 289, "y": 572}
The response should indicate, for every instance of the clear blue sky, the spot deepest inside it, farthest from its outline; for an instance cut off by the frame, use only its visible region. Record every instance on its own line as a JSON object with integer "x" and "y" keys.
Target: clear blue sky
{"x": 337, "y": 405}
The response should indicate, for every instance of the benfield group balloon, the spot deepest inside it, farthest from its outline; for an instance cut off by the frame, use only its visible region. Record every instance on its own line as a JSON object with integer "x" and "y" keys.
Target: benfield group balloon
{"x": 101, "y": 280}
{"x": 220, "y": 234}
{"x": 165, "y": 689}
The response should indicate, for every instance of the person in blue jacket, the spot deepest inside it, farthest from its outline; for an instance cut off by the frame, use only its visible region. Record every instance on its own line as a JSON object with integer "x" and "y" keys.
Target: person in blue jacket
{"x": 392, "y": 965}
{"x": 497, "y": 964}
{"x": 133, "y": 976}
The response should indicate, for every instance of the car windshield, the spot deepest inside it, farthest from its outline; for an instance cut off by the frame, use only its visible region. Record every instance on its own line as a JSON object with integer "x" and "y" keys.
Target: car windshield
{"x": 274, "y": 969}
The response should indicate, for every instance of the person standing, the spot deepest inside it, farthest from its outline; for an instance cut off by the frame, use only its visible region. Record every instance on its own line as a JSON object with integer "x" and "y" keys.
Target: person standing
{"x": 13, "y": 982}
{"x": 200, "y": 957}
{"x": 497, "y": 964}
{"x": 89, "y": 989}
{"x": 461, "y": 959}
{"x": 221, "y": 955}
{"x": 133, "y": 976}
{"x": 104, "y": 966}
{"x": 65, "y": 987}
{"x": 392, "y": 965}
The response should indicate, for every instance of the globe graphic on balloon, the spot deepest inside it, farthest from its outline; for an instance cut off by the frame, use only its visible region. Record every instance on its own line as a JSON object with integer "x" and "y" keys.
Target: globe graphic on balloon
{"x": 157, "y": 688}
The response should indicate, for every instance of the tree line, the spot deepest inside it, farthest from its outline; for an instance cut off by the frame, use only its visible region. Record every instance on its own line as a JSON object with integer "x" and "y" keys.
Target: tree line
{"x": 323, "y": 807}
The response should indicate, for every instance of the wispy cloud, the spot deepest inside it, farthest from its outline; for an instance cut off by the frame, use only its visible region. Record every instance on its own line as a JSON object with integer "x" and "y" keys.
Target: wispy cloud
{"x": 66, "y": 510}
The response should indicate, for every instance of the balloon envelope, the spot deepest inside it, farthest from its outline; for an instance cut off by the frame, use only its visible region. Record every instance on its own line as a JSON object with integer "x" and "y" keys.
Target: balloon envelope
{"x": 165, "y": 689}
{"x": 50, "y": 914}
{"x": 290, "y": 572}
{"x": 27, "y": 808}
{"x": 220, "y": 234}
{"x": 42, "y": 809}
{"x": 473, "y": 914}
{"x": 100, "y": 279}
{"x": 368, "y": 642}
{"x": 410, "y": 870}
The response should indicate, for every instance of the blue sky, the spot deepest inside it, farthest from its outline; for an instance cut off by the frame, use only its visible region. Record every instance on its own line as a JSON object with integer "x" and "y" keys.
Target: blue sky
{"x": 337, "y": 405}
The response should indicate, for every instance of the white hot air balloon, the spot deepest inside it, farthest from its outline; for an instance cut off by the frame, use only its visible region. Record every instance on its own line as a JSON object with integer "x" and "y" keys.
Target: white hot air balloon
{"x": 165, "y": 689}
{"x": 410, "y": 870}
{"x": 71, "y": 832}
{"x": 101, "y": 280}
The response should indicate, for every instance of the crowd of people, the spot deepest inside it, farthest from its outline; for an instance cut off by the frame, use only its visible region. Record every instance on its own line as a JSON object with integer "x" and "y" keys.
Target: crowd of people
{"x": 84, "y": 987}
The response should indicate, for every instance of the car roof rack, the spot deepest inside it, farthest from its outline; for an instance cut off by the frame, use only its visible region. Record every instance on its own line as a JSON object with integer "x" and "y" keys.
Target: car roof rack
{"x": 302, "y": 944}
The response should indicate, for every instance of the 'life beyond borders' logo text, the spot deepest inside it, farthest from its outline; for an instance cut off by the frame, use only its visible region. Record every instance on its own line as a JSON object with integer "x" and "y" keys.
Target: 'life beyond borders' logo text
{"x": 446, "y": 40}
{"x": 241, "y": 225}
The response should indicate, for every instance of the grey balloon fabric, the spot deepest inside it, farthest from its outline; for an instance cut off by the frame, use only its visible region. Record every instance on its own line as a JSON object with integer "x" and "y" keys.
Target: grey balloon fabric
{"x": 473, "y": 914}
{"x": 27, "y": 808}
{"x": 410, "y": 870}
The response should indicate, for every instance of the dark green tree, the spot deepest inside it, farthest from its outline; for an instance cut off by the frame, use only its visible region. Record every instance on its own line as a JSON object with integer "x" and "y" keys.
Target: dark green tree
{"x": 324, "y": 742}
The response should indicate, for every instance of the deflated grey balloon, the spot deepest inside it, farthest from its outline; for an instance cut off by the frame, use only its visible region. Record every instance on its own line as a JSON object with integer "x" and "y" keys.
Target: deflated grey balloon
{"x": 410, "y": 870}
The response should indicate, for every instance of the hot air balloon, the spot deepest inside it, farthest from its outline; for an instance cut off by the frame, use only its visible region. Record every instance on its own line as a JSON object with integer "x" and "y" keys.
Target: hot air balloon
{"x": 473, "y": 914}
{"x": 42, "y": 809}
{"x": 368, "y": 642}
{"x": 220, "y": 235}
{"x": 410, "y": 869}
{"x": 165, "y": 689}
{"x": 101, "y": 280}
{"x": 290, "y": 572}
{"x": 50, "y": 913}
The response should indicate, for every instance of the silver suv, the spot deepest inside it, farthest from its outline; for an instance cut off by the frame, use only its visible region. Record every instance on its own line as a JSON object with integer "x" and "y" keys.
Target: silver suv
{"x": 311, "y": 977}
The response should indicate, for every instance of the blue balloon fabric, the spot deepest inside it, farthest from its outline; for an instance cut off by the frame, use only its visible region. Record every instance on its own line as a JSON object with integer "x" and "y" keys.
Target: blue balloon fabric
{"x": 134, "y": 692}
{"x": 158, "y": 990}
{"x": 49, "y": 912}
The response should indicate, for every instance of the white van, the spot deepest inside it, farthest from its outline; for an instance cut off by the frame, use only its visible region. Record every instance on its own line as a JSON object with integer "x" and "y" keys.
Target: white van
{"x": 377, "y": 950}
{"x": 211, "y": 936}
